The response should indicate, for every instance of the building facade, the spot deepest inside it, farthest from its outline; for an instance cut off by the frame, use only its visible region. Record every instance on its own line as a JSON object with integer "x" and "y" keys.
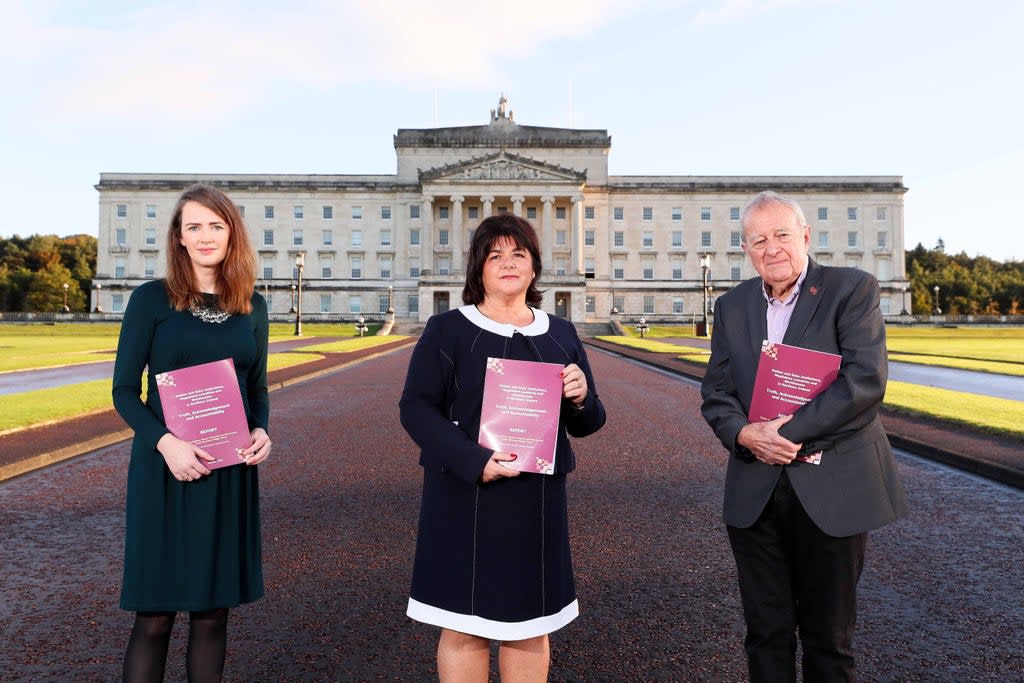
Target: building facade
{"x": 628, "y": 244}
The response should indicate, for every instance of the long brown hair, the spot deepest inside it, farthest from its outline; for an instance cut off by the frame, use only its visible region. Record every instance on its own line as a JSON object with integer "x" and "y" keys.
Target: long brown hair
{"x": 490, "y": 230}
{"x": 236, "y": 275}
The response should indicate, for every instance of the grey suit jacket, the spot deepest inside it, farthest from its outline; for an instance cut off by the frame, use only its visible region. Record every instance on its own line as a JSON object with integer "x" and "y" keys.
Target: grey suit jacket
{"x": 855, "y": 488}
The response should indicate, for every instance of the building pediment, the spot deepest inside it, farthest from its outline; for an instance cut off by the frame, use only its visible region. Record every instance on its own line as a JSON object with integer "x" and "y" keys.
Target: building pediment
{"x": 503, "y": 166}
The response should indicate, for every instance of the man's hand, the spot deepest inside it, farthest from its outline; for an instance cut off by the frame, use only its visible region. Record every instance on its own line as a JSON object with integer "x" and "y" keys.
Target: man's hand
{"x": 765, "y": 442}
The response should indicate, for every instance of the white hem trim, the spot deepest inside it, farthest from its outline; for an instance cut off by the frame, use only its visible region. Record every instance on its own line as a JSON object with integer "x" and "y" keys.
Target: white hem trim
{"x": 488, "y": 628}
{"x": 539, "y": 325}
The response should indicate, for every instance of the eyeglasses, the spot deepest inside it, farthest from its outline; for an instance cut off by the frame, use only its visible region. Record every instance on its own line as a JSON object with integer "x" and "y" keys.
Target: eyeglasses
{"x": 760, "y": 242}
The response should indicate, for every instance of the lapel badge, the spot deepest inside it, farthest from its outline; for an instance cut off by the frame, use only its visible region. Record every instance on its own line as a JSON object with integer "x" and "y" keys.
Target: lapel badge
{"x": 814, "y": 290}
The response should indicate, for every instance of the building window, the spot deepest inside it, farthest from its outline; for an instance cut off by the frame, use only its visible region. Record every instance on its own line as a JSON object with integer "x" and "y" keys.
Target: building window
{"x": 473, "y": 212}
{"x": 268, "y": 268}
{"x": 122, "y": 210}
{"x": 591, "y": 305}
{"x": 327, "y": 237}
{"x": 241, "y": 210}
{"x": 357, "y": 238}
{"x": 298, "y": 212}
{"x": 705, "y": 213}
{"x": 677, "y": 213}
{"x": 502, "y": 209}
{"x": 385, "y": 238}
{"x": 149, "y": 266}
{"x": 619, "y": 302}
{"x": 297, "y": 238}
{"x": 414, "y": 237}
{"x": 382, "y": 303}
{"x": 588, "y": 238}
{"x": 356, "y": 263}
{"x": 823, "y": 239}
{"x": 560, "y": 213}
{"x": 851, "y": 238}
{"x": 881, "y": 213}
{"x": 325, "y": 303}
{"x": 851, "y": 213}
{"x": 618, "y": 269}
{"x": 822, "y": 213}
{"x": 677, "y": 269}
{"x": 385, "y": 268}
{"x": 326, "y": 268}
{"x": 734, "y": 213}
{"x": 735, "y": 238}
{"x": 677, "y": 238}
{"x": 531, "y": 213}
{"x": 677, "y": 305}
{"x": 648, "y": 304}
{"x": 648, "y": 265}
{"x": 117, "y": 303}
{"x": 355, "y": 304}
{"x": 705, "y": 239}
{"x": 268, "y": 212}
{"x": 268, "y": 238}
{"x": 648, "y": 238}
{"x": 385, "y": 213}
{"x": 357, "y": 213}
{"x": 442, "y": 212}
{"x": 734, "y": 273}
{"x": 150, "y": 210}
{"x": 561, "y": 265}
{"x": 442, "y": 238}
{"x": 121, "y": 237}
{"x": 328, "y": 213}
{"x": 150, "y": 236}
{"x": 883, "y": 240}
{"x": 119, "y": 267}
{"x": 444, "y": 265}
{"x": 588, "y": 267}
{"x": 588, "y": 213}
{"x": 414, "y": 211}
{"x": 414, "y": 267}
{"x": 617, "y": 213}
{"x": 648, "y": 213}
{"x": 619, "y": 238}
{"x": 559, "y": 238}
{"x": 413, "y": 303}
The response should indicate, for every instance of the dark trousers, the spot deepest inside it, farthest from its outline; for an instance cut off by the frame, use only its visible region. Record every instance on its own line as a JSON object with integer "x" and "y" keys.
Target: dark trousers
{"x": 794, "y": 577}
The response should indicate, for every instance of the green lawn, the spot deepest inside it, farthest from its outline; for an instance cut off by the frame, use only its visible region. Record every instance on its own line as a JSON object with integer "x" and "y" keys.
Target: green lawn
{"x": 998, "y": 415}
{"x": 281, "y": 331}
{"x": 346, "y": 345}
{"x": 985, "y": 349}
{"x": 38, "y": 345}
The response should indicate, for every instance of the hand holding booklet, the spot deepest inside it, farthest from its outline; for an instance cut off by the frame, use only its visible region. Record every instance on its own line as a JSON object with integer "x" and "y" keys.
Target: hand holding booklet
{"x": 787, "y": 378}
{"x": 202, "y": 404}
{"x": 521, "y": 406}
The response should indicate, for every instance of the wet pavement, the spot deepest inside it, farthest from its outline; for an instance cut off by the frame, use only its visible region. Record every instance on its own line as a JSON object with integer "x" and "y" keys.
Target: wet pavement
{"x": 941, "y": 599}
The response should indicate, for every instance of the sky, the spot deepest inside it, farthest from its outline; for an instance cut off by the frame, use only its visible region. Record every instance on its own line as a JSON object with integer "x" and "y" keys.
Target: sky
{"x": 927, "y": 90}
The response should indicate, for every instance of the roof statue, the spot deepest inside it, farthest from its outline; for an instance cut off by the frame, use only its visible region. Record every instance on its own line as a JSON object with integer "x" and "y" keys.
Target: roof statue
{"x": 502, "y": 113}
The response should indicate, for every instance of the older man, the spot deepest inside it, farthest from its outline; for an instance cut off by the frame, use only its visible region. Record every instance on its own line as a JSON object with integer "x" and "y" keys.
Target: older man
{"x": 798, "y": 530}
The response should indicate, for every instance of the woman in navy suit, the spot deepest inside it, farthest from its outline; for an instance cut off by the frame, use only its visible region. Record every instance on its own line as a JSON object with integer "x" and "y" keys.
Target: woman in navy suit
{"x": 492, "y": 554}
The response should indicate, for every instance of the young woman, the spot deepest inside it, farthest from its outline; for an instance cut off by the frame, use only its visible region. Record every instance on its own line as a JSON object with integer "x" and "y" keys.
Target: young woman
{"x": 192, "y": 540}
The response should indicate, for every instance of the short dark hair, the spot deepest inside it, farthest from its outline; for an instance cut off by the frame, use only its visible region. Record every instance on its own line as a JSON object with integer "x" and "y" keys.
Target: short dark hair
{"x": 490, "y": 230}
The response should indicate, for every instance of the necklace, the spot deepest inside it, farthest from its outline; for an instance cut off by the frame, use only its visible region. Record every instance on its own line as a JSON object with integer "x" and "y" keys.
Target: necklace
{"x": 209, "y": 313}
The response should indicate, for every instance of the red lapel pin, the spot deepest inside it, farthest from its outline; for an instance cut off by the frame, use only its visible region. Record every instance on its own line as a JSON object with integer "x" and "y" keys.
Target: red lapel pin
{"x": 814, "y": 290}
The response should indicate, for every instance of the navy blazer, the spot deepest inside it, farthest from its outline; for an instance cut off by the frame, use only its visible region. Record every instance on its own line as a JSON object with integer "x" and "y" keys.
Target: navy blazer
{"x": 855, "y": 488}
{"x": 443, "y": 395}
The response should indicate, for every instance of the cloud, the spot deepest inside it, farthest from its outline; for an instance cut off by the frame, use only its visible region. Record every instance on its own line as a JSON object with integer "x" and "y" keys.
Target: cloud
{"x": 727, "y": 11}
{"x": 193, "y": 62}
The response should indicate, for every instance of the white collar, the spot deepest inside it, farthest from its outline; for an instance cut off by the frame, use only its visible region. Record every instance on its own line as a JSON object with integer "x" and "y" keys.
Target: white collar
{"x": 537, "y": 327}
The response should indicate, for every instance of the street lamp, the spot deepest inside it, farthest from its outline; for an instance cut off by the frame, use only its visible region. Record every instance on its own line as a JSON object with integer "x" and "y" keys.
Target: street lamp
{"x": 642, "y": 327}
{"x": 300, "y": 261}
{"x": 705, "y": 268}
{"x": 361, "y": 326}
{"x": 936, "y": 310}
{"x": 97, "y": 286}
{"x": 391, "y": 301}
{"x": 292, "y": 309}
{"x": 903, "y": 300}
{"x": 66, "y": 309}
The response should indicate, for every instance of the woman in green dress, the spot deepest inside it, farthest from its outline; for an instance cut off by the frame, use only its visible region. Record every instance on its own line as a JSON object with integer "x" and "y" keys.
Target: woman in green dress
{"x": 192, "y": 537}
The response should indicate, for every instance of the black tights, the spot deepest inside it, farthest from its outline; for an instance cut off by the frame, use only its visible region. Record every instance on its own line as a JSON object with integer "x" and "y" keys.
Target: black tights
{"x": 147, "y": 648}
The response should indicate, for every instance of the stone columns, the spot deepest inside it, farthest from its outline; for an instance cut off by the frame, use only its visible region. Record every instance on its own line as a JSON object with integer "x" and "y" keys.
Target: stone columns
{"x": 577, "y": 233}
{"x": 547, "y": 232}
{"x": 517, "y": 204}
{"x": 427, "y": 236}
{"x": 487, "y": 200}
{"x": 457, "y": 238}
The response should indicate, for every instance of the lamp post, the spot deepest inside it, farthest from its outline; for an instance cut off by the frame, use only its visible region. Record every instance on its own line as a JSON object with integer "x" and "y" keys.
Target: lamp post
{"x": 65, "y": 309}
{"x": 903, "y": 300}
{"x": 361, "y": 326}
{"x": 97, "y": 286}
{"x": 705, "y": 268}
{"x": 300, "y": 261}
{"x": 936, "y": 310}
{"x": 391, "y": 302}
{"x": 292, "y": 309}
{"x": 642, "y": 327}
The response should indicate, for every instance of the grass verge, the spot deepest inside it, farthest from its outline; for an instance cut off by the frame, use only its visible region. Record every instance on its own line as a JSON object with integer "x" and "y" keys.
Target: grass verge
{"x": 996, "y": 415}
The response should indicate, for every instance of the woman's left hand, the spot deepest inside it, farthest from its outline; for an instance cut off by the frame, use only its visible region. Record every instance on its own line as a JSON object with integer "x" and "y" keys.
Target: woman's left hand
{"x": 259, "y": 450}
{"x": 574, "y": 384}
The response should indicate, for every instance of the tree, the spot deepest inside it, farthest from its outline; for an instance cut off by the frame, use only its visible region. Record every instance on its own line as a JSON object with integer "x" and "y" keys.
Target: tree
{"x": 34, "y": 269}
{"x": 46, "y": 290}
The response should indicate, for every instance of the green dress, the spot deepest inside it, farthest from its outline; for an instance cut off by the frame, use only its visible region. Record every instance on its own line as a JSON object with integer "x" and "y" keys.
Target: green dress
{"x": 192, "y": 545}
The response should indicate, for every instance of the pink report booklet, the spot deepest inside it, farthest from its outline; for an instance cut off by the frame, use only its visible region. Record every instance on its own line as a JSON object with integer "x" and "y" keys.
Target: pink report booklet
{"x": 521, "y": 406}
{"x": 203, "y": 404}
{"x": 787, "y": 378}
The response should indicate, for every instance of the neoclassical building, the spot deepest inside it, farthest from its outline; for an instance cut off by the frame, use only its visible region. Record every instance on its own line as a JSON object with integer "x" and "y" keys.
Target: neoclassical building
{"x": 632, "y": 244}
